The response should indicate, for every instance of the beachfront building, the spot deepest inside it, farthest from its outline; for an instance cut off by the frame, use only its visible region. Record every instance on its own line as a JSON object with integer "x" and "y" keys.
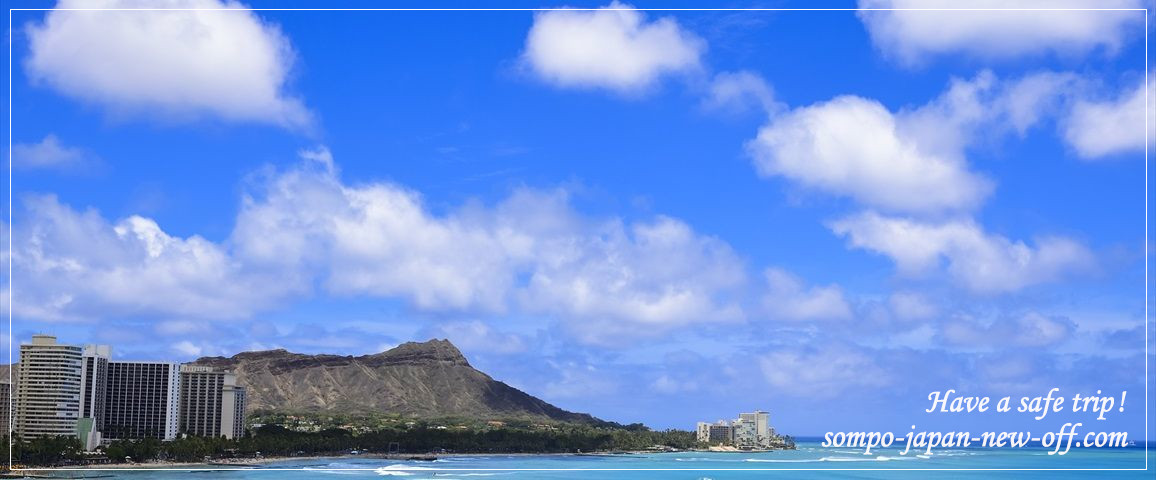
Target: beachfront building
{"x": 60, "y": 390}
{"x": 48, "y": 388}
{"x": 233, "y": 411}
{"x": 211, "y": 402}
{"x": 753, "y": 430}
{"x": 749, "y": 431}
{"x": 92, "y": 394}
{"x": 93, "y": 384}
{"x": 142, "y": 400}
{"x": 718, "y": 433}
{"x": 72, "y": 390}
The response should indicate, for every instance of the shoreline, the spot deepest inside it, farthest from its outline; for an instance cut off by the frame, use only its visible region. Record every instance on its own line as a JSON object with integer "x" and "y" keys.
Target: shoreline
{"x": 257, "y": 463}
{"x": 202, "y": 465}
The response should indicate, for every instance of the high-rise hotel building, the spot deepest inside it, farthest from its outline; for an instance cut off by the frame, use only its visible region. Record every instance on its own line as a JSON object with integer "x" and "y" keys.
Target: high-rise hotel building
{"x": 142, "y": 400}
{"x": 92, "y": 384}
{"x": 212, "y": 405}
{"x": 60, "y": 390}
{"x": 80, "y": 391}
{"x": 49, "y": 380}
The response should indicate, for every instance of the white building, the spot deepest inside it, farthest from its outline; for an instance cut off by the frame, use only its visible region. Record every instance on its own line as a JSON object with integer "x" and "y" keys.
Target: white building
{"x": 745, "y": 436}
{"x": 49, "y": 382}
{"x": 758, "y": 424}
{"x": 93, "y": 384}
{"x": 233, "y": 410}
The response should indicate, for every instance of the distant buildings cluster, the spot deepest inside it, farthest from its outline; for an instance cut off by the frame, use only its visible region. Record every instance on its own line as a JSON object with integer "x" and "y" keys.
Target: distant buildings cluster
{"x": 79, "y": 390}
{"x": 749, "y": 431}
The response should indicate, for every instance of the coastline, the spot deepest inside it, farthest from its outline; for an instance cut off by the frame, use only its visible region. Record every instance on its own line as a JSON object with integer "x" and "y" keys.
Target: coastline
{"x": 224, "y": 463}
{"x": 264, "y": 461}
{"x": 258, "y": 462}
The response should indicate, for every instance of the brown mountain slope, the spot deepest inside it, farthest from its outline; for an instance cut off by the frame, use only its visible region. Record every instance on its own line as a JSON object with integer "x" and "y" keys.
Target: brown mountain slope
{"x": 430, "y": 379}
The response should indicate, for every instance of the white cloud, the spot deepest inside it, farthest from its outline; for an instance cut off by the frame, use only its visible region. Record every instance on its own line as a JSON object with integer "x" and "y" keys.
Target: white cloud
{"x": 911, "y": 36}
{"x": 603, "y": 279}
{"x": 187, "y": 348}
{"x": 532, "y": 253}
{"x": 376, "y": 239}
{"x": 78, "y": 266}
{"x": 738, "y": 91}
{"x": 180, "y": 64}
{"x": 979, "y": 261}
{"x": 823, "y": 372}
{"x": 914, "y": 160}
{"x": 908, "y": 161}
{"x": 50, "y": 153}
{"x": 1102, "y": 128}
{"x": 787, "y": 298}
{"x": 1028, "y": 100}
{"x": 614, "y": 48}
{"x": 619, "y": 282}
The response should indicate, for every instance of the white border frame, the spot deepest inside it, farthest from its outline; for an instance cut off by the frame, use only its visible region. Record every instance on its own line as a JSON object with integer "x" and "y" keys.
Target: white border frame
{"x": 208, "y": 467}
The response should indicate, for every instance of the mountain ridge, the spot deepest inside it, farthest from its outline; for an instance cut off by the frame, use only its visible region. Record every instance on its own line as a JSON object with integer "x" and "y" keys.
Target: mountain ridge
{"x": 415, "y": 379}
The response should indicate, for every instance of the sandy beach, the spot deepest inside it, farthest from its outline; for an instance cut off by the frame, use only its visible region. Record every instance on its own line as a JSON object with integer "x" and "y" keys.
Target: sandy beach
{"x": 222, "y": 463}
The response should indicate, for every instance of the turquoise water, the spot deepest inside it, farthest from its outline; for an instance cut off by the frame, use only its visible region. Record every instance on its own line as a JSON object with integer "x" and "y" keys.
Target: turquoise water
{"x": 832, "y": 461}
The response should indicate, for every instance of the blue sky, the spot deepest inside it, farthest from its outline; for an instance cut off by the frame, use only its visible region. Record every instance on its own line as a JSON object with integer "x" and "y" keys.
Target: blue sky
{"x": 650, "y": 216}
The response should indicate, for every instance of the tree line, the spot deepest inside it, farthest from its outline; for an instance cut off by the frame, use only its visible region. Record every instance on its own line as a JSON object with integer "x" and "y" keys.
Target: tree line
{"x": 274, "y": 440}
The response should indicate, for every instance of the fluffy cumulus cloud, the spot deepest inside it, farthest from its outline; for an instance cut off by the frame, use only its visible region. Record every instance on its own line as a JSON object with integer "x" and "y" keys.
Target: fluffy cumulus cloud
{"x": 911, "y": 160}
{"x": 977, "y": 260}
{"x": 637, "y": 280}
{"x": 787, "y": 298}
{"x": 615, "y": 47}
{"x": 182, "y": 64}
{"x": 911, "y": 36}
{"x": 1101, "y": 128}
{"x": 911, "y": 164}
{"x": 604, "y": 279}
{"x": 376, "y": 239}
{"x": 914, "y": 160}
{"x": 531, "y": 252}
{"x": 76, "y": 265}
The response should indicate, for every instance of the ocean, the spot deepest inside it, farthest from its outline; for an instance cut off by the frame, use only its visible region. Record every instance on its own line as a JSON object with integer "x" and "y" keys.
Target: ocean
{"x": 830, "y": 463}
